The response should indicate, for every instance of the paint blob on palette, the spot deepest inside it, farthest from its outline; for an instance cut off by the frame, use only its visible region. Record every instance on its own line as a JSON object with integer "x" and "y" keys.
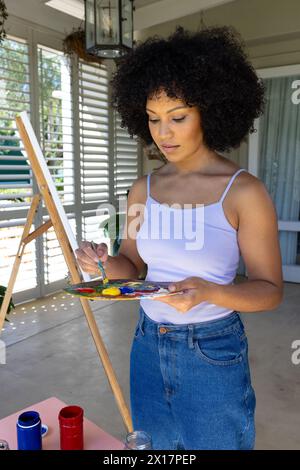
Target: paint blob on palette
{"x": 120, "y": 289}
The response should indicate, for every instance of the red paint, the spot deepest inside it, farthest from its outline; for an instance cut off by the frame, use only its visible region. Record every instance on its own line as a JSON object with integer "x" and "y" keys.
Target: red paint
{"x": 85, "y": 289}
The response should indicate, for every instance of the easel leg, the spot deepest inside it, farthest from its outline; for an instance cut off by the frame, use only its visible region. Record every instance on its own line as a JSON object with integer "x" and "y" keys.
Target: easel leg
{"x": 17, "y": 262}
{"x": 112, "y": 379}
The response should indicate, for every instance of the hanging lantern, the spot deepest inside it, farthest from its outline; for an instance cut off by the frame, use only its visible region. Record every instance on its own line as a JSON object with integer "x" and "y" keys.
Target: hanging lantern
{"x": 108, "y": 27}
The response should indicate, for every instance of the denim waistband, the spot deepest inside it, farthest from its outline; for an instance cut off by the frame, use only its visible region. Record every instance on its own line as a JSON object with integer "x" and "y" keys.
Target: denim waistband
{"x": 217, "y": 327}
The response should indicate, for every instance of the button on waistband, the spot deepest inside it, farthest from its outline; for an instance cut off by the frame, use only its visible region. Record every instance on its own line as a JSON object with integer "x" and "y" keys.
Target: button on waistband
{"x": 163, "y": 330}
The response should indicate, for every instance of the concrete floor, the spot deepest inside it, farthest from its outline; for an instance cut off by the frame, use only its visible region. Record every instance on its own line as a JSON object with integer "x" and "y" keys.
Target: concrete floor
{"x": 50, "y": 352}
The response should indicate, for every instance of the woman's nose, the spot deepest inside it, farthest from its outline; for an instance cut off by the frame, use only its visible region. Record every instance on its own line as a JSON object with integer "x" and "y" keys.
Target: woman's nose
{"x": 164, "y": 130}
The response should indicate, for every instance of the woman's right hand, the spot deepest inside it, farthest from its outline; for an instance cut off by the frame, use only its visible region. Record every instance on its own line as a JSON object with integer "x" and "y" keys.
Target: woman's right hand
{"x": 88, "y": 256}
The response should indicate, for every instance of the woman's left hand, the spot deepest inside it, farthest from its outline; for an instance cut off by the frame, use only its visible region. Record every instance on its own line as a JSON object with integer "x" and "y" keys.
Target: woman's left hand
{"x": 195, "y": 290}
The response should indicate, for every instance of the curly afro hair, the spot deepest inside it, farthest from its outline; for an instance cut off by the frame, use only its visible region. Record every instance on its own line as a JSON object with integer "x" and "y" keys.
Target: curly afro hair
{"x": 208, "y": 69}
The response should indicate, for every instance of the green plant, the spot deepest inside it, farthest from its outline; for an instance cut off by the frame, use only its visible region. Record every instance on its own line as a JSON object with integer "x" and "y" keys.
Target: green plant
{"x": 112, "y": 226}
{"x": 10, "y": 305}
{"x": 3, "y": 18}
{"x": 74, "y": 44}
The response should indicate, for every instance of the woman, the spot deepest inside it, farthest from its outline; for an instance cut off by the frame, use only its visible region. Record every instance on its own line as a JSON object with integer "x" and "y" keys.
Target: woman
{"x": 194, "y": 96}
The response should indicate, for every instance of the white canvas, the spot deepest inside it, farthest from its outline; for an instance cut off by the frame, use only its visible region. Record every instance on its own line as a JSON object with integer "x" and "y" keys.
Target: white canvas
{"x": 42, "y": 162}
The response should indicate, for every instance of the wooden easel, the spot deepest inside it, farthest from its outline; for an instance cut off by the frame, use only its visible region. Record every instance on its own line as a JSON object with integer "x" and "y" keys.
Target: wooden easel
{"x": 64, "y": 241}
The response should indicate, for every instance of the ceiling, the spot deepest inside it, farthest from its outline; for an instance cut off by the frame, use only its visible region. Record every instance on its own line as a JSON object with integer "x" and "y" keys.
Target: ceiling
{"x": 143, "y": 3}
{"x": 148, "y": 13}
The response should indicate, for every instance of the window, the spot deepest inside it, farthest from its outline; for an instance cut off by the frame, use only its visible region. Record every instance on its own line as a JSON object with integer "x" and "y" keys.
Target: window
{"x": 15, "y": 175}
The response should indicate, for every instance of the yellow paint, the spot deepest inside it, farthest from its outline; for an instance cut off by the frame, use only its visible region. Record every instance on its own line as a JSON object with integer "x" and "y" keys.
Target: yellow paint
{"x": 111, "y": 291}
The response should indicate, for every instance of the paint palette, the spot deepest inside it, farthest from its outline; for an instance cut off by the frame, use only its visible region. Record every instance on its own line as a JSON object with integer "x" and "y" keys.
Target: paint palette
{"x": 120, "y": 289}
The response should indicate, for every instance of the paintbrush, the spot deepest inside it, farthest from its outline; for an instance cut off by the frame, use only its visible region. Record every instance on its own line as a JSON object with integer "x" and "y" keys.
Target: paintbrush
{"x": 105, "y": 279}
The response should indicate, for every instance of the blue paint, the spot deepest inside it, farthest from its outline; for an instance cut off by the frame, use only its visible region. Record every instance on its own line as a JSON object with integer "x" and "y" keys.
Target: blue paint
{"x": 126, "y": 290}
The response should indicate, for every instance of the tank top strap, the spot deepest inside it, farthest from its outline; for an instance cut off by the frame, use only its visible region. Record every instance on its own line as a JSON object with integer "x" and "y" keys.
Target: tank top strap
{"x": 148, "y": 185}
{"x": 230, "y": 183}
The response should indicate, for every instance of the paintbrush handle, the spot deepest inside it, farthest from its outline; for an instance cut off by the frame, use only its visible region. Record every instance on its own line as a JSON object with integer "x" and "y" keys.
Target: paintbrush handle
{"x": 103, "y": 273}
{"x": 100, "y": 265}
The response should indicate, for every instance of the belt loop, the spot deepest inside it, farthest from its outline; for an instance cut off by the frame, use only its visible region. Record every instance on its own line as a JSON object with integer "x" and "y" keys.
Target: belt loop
{"x": 142, "y": 320}
{"x": 191, "y": 336}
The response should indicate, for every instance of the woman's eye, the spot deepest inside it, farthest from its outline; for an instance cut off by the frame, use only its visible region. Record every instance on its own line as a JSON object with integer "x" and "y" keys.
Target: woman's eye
{"x": 179, "y": 119}
{"x": 174, "y": 119}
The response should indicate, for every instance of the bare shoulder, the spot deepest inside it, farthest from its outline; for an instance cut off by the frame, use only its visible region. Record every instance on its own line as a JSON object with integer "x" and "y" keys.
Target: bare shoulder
{"x": 252, "y": 196}
{"x": 138, "y": 191}
{"x": 251, "y": 188}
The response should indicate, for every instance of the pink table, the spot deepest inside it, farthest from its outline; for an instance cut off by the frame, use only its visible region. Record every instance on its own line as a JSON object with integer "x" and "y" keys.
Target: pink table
{"x": 94, "y": 437}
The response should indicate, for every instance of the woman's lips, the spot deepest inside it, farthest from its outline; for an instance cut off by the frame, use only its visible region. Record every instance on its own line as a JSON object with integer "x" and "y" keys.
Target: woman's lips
{"x": 169, "y": 148}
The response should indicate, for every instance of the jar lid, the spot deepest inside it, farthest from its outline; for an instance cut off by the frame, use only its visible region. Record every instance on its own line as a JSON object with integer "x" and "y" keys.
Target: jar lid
{"x": 139, "y": 440}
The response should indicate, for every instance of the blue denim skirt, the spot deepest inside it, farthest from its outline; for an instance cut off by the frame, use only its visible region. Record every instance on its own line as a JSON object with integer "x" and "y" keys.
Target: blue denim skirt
{"x": 190, "y": 385}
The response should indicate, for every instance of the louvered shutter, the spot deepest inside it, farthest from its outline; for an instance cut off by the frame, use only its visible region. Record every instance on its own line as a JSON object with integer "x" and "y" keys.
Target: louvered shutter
{"x": 126, "y": 165}
{"x": 94, "y": 146}
{"x": 15, "y": 174}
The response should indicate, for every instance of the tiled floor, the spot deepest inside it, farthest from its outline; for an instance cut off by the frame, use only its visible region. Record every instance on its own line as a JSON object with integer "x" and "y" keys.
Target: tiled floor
{"x": 50, "y": 352}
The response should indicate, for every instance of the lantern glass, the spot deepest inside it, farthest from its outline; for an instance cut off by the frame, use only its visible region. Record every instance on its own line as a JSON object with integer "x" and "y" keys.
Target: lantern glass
{"x": 107, "y": 21}
{"x": 127, "y": 23}
{"x": 108, "y": 27}
{"x": 90, "y": 23}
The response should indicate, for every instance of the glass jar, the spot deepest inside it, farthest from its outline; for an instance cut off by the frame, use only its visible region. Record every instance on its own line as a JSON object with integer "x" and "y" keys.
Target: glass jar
{"x": 4, "y": 445}
{"x": 138, "y": 440}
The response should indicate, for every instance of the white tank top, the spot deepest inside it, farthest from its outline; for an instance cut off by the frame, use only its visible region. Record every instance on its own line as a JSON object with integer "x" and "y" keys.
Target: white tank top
{"x": 209, "y": 250}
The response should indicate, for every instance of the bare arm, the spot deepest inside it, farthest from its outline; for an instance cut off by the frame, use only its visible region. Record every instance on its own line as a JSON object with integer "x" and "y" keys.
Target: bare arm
{"x": 259, "y": 245}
